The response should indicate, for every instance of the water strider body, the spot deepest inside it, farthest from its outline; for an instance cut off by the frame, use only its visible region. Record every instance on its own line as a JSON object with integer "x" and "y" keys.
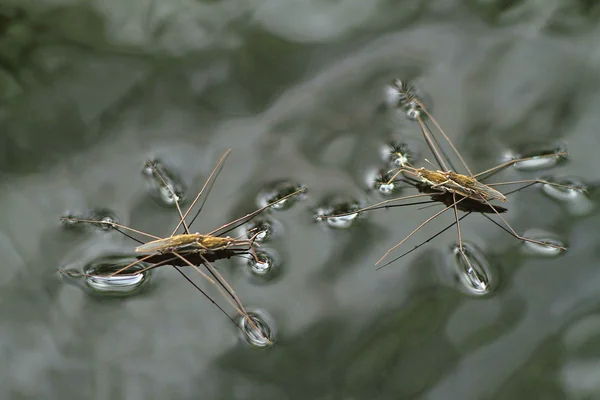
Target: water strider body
{"x": 193, "y": 241}
{"x": 453, "y": 182}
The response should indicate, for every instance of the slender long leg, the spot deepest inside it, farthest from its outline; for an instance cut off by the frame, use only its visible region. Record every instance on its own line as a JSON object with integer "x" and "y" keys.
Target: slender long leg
{"x": 534, "y": 181}
{"x": 254, "y": 213}
{"x": 378, "y": 205}
{"x": 423, "y": 243}
{"x": 175, "y": 197}
{"x": 205, "y": 295}
{"x": 225, "y": 294}
{"x": 209, "y": 181}
{"x": 91, "y": 221}
{"x": 516, "y": 235}
{"x": 461, "y": 248}
{"x": 431, "y": 143}
{"x": 443, "y": 134}
{"x": 131, "y": 265}
{"x": 399, "y": 171}
{"x": 497, "y": 168}
{"x": 236, "y": 303}
{"x": 417, "y": 228}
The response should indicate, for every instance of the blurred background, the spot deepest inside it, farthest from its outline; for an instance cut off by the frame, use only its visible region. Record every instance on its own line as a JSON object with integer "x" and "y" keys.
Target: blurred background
{"x": 90, "y": 90}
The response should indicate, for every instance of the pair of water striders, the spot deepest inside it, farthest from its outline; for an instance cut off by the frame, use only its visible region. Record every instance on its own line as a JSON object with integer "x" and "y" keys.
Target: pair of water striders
{"x": 441, "y": 184}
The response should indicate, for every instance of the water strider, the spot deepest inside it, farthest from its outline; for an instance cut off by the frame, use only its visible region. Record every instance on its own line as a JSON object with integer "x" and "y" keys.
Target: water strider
{"x": 457, "y": 191}
{"x": 194, "y": 249}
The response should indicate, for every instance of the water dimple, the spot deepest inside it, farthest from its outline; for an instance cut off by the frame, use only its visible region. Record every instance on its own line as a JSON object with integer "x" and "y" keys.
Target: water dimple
{"x": 97, "y": 275}
{"x": 277, "y": 191}
{"x": 338, "y": 213}
{"x": 105, "y": 219}
{"x": 380, "y": 180}
{"x": 397, "y": 154}
{"x": 165, "y": 185}
{"x": 262, "y": 334}
{"x": 402, "y": 95}
{"x": 571, "y": 192}
{"x": 472, "y": 269}
{"x": 550, "y": 245}
{"x": 262, "y": 229}
{"x": 263, "y": 265}
{"x": 537, "y": 159}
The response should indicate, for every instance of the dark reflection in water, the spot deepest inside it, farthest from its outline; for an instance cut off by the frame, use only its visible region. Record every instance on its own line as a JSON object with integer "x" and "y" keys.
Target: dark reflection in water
{"x": 90, "y": 92}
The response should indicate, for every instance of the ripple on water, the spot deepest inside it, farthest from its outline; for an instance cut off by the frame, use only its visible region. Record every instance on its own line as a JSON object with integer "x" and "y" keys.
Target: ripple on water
{"x": 550, "y": 249}
{"x": 473, "y": 275}
{"x": 266, "y": 333}
{"x": 163, "y": 182}
{"x": 96, "y": 275}
{"x": 571, "y": 192}
{"x": 278, "y": 190}
{"x": 338, "y": 212}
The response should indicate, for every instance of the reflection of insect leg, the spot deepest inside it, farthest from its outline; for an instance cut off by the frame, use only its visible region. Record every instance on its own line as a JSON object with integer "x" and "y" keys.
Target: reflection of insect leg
{"x": 416, "y": 229}
{"x": 516, "y": 235}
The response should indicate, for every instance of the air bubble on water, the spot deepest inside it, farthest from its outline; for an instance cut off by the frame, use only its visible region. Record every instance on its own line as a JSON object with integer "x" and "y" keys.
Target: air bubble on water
{"x": 277, "y": 191}
{"x": 551, "y": 246}
{"x": 571, "y": 192}
{"x": 97, "y": 275}
{"x": 346, "y": 209}
{"x": 264, "y": 336}
{"x": 540, "y": 159}
{"x": 167, "y": 190}
{"x": 474, "y": 276}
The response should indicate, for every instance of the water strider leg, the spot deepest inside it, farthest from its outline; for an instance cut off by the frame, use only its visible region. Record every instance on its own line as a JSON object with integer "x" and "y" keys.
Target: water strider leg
{"x": 516, "y": 235}
{"x": 437, "y": 125}
{"x": 533, "y": 182}
{"x": 208, "y": 184}
{"x": 91, "y": 221}
{"x": 498, "y": 168}
{"x": 254, "y": 213}
{"x": 236, "y": 303}
{"x": 378, "y": 205}
{"x": 398, "y": 172}
{"x": 419, "y": 227}
{"x": 175, "y": 197}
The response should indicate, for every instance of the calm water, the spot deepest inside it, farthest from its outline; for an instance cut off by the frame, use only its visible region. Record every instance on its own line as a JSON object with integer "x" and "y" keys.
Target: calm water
{"x": 294, "y": 88}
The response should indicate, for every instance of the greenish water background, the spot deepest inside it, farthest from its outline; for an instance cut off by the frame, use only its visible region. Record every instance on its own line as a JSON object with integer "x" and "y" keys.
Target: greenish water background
{"x": 90, "y": 90}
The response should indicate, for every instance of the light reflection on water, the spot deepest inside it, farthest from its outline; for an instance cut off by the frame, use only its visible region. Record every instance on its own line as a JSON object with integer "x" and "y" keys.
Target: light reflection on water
{"x": 308, "y": 115}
